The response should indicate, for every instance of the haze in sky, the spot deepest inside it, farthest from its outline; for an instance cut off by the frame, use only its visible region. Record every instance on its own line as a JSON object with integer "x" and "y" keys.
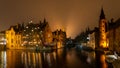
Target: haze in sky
{"x": 72, "y": 15}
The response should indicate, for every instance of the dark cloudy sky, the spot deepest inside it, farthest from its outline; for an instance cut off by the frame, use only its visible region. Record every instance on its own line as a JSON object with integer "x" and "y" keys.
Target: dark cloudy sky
{"x": 72, "y": 15}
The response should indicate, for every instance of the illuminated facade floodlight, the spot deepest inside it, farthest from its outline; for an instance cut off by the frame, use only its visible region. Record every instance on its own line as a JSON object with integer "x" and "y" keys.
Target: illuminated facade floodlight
{"x": 102, "y": 30}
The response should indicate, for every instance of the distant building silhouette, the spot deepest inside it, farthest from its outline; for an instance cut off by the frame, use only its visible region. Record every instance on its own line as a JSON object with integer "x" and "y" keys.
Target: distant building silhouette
{"x": 59, "y": 36}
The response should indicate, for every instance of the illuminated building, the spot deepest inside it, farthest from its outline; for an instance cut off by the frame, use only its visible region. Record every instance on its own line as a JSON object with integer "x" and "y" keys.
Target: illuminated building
{"x": 28, "y": 35}
{"x": 13, "y": 37}
{"x": 47, "y": 33}
{"x": 59, "y": 37}
{"x": 98, "y": 38}
{"x": 91, "y": 40}
{"x": 36, "y": 34}
{"x": 102, "y": 30}
{"x": 31, "y": 34}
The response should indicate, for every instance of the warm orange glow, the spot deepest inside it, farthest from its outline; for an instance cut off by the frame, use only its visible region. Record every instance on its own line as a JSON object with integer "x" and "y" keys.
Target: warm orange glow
{"x": 59, "y": 45}
{"x": 102, "y": 58}
{"x": 70, "y": 30}
{"x": 103, "y": 41}
{"x": 104, "y": 45}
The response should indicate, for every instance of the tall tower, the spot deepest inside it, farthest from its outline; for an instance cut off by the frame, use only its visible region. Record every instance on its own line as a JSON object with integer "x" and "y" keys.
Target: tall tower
{"x": 102, "y": 30}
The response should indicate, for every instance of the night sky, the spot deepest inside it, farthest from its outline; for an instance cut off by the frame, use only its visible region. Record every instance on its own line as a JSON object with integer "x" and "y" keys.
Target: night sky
{"x": 72, "y": 15}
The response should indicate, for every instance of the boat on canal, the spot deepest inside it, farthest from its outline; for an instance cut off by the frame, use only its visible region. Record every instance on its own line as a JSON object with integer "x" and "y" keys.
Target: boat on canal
{"x": 111, "y": 57}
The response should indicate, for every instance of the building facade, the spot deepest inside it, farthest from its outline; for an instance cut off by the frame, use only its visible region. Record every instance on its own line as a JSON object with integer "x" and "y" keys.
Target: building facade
{"x": 93, "y": 38}
{"x": 47, "y": 34}
{"x": 113, "y": 34}
{"x": 59, "y": 38}
{"x": 102, "y": 30}
{"x": 109, "y": 33}
{"x": 13, "y": 38}
{"x": 33, "y": 34}
{"x": 98, "y": 37}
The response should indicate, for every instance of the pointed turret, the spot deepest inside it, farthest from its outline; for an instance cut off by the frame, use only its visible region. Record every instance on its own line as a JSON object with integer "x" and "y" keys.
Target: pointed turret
{"x": 45, "y": 20}
{"x": 102, "y": 15}
{"x": 102, "y": 30}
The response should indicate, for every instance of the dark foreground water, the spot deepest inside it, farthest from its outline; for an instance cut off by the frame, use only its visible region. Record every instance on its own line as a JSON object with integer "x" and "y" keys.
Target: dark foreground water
{"x": 61, "y": 58}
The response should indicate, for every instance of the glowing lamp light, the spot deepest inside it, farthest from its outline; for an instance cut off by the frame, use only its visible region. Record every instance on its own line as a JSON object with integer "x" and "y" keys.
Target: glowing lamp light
{"x": 27, "y": 27}
{"x": 105, "y": 45}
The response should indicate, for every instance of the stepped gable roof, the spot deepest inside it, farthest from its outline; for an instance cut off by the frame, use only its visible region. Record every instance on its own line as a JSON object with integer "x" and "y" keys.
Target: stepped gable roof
{"x": 118, "y": 23}
{"x": 43, "y": 25}
{"x": 59, "y": 32}
{"x": 17, "y": 29}
{"x": 113, "y": 25}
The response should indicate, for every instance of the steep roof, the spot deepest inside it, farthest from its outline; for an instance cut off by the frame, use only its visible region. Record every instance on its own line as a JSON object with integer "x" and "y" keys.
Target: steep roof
{"x": 114, "y": 25}
{"x": 16, "y": 28}
{"x": 102, "y": 15}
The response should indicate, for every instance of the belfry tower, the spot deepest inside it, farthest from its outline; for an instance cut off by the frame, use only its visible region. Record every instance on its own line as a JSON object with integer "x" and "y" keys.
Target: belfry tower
{"x": 102, "y": 30}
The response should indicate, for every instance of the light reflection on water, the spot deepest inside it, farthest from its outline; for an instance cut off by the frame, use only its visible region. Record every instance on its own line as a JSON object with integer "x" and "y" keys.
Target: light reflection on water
{"x": 56, "y": 59}
{"x": 100, "y": 60}
{"x": 3, "y": 59}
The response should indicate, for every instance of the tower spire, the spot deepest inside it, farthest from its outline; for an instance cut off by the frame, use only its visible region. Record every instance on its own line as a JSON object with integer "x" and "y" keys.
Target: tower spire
{"x": 102, "y": 31}
{"x": 102, "y": 15}
{"x": 44, "y": 20}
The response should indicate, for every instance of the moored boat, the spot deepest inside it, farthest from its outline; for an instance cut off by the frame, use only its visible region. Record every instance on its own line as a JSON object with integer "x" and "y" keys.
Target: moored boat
{"x": 110, "y": 57}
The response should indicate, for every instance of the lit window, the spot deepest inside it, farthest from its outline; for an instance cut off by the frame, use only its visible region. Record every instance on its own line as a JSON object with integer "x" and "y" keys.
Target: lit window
{"x": 27, "y": 27}
{"x": 27, "y": 35}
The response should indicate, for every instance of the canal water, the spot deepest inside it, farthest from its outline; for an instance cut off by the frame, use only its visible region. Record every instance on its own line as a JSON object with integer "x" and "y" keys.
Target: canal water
{"x": 61, "y": 58}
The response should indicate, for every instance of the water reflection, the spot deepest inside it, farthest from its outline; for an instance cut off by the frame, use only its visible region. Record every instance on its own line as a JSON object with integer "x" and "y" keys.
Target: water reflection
{"x": 60, "y": 58}
{"x": 95, "y": 58}
{"x": 90, "y": 56}
{"x": 3, "y": 59}
{"x": 31, "y": 59}
{"x": 100, "y": 60}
